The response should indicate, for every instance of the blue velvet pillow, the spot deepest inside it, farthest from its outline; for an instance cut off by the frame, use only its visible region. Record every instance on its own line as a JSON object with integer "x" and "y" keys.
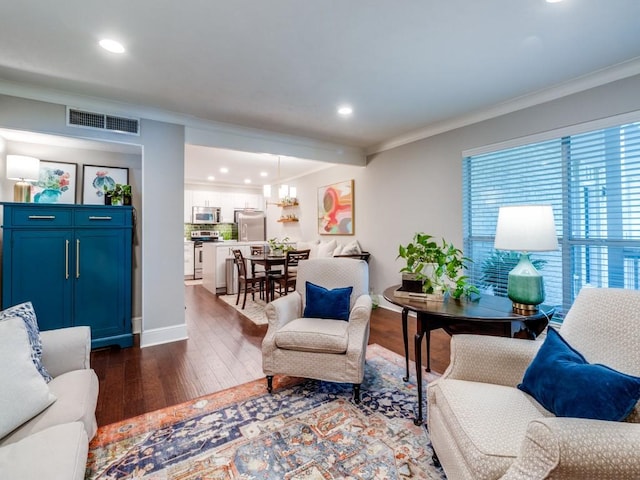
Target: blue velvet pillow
{"x": 323, "y": 303}
{"x": 564, "y": 383}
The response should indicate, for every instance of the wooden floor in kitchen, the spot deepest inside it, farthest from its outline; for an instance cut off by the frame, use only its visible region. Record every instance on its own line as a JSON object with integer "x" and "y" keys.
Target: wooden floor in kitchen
{"x": 223, "y": 350}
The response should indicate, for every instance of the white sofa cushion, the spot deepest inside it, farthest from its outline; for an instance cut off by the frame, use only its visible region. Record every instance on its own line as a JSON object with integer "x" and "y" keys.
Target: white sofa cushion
{"x": 23, "y": 391}
{"x": 314, "y": 335}
{"x": 490, "y": 429}
{"x": 352, "y": 248}
{"x": 26, "y": 312}
{"x": 57, "y": 453}
{"x": 326, "y": 249}
{"x": 77, "y": 395}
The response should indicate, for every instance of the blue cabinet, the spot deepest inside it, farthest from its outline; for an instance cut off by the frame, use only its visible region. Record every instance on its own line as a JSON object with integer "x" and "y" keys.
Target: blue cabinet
{"x": 73, "y": 262}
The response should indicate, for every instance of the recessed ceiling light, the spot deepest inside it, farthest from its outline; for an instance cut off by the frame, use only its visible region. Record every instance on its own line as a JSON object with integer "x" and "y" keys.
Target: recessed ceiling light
{"x": 211, "y": 178}
{"x": 111, "y": 45}
{"x": 263, "y": 174}
{"x": 345, "y": 110}
{"x": 224, "y": 170}
{"x": 554, "y": 1}
{"x": 247, "y": 180}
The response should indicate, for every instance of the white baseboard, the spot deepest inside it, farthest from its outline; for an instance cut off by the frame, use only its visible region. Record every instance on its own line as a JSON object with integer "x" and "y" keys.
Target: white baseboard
{"x": 158, "y": 336}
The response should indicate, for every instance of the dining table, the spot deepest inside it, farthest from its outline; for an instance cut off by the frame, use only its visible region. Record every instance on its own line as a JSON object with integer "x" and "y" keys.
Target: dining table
{"x": 268, "y": 262}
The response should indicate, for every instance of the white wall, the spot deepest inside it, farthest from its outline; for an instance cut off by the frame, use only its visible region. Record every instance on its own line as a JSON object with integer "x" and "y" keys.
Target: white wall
{"x": 418, "y": 187}
{"x": 80, "y": 157}
{"x": 160, "y": 217}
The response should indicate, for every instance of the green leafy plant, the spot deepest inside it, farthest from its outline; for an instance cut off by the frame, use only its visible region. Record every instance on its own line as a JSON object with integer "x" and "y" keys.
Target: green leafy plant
{"x": 439, "y": 265}
{"x": 117, "y": 194}
{"x": 276, "y": 245}
{"x": 496, "y": 267}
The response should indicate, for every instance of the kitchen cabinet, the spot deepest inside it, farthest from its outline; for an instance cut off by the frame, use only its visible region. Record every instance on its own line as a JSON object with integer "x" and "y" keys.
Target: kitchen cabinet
{"x": 227, "y": 201}
{"x": 73, "y": 262}
{"x": 215, "y": 255}
{"x": 188, "y": 260}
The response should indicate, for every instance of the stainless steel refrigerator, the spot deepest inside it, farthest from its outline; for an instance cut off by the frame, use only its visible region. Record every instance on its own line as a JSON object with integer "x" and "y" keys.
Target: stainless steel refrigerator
{"x": 251, "y": 226}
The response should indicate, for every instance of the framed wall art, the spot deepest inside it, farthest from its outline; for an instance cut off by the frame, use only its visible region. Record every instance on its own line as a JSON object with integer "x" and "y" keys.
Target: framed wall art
{"x": 336, "y": 209}
{"x": 96, "y": 178}
{"x": 56, "y": 183}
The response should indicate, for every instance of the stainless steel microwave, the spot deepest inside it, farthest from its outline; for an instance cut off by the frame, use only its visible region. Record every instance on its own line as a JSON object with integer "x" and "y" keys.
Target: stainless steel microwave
{"x": 206, "y": 215}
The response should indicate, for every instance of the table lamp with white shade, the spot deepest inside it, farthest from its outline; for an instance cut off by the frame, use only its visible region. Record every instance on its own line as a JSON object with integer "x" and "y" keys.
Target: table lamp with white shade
{"x": 24, "y": 169}
{"x": 526, "y": 228}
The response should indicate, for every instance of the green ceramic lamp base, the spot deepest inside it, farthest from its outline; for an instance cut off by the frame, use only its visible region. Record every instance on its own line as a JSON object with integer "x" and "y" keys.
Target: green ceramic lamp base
{"x": 525, "y": 286}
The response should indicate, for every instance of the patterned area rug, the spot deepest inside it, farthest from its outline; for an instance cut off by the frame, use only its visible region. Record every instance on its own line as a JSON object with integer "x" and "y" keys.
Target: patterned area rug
{"x": 254, "y": 311}
{"x": 306, "y": 429}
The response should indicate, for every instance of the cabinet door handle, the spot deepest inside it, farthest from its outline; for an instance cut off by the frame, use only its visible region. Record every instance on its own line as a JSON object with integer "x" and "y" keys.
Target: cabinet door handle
{"x": 78, "y": 258}
{"x": 92, "y": 217}
{"x": 66, "y": 259}
{"x": 42, "y": 217}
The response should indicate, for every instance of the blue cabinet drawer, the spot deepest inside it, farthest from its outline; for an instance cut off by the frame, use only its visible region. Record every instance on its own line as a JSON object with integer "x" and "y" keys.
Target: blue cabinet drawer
{"x": 38, "y": 216}
{"x": 103, "y": 217}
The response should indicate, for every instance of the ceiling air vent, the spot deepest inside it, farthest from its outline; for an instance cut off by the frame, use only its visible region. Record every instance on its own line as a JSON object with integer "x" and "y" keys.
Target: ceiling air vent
{"x": 102, "y": 121}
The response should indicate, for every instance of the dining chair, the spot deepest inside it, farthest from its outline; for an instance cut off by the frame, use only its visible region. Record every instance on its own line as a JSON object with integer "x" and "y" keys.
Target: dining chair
{"x": 287, "y": 280}
{"x": 246, "y": 281}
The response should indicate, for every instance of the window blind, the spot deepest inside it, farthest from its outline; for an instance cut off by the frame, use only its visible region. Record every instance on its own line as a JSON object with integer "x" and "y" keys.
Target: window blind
{"x": 592, "y": 181}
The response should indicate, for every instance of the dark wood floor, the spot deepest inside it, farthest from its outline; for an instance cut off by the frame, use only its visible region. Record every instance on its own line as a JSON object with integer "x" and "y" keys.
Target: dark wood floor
{"x": 223, "y": 350}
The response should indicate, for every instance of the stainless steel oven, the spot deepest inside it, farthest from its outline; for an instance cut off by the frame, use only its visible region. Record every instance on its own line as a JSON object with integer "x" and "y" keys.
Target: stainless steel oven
{"x": 199, "y": 237}
{"x": 197, "y": 259}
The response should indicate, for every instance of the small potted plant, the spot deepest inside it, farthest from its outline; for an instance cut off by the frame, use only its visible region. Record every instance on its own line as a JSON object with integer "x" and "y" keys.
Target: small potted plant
{"x": 434, "y": 268}
{"x": 277, "y": 248}
{"x": 118, "y": 195}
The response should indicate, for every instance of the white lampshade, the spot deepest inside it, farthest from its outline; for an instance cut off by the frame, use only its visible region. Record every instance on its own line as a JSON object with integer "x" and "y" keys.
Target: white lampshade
{"x": 526, "y": 228}
{"x": 21, "y": 167}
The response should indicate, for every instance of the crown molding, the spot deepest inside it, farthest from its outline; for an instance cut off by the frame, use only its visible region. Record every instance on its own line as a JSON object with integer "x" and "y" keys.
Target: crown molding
{"x": 199, "y": 131}
{"x": 580, "y": 84}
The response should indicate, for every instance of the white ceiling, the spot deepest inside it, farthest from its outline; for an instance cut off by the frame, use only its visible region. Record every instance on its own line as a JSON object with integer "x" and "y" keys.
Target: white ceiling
{"x": 202, "y": 162}
{"x": 285, "y": 65}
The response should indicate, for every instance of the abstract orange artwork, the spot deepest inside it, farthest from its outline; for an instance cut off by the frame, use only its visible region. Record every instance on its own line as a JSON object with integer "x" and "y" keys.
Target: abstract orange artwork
{"x": 335, "y": 209}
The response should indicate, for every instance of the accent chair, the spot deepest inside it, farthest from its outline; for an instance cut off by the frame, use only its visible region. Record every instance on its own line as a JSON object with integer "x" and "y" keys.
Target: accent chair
{"x": 317, "y": 345}
{"x": 483, "y": 426}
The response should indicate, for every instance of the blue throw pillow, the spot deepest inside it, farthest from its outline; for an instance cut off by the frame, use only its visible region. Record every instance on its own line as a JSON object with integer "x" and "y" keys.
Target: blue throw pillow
{"x": 564, "y": 383}
{"x": 323, "y": 303}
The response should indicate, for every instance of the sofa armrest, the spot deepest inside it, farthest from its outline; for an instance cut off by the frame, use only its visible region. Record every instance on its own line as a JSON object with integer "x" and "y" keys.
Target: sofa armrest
{"x": 359, "y": 319}
{"x": 66, "y": 349}
{"x": 280, "y": 312}
{"x": 488, "y": 359}
{"x": 569, "y": 448}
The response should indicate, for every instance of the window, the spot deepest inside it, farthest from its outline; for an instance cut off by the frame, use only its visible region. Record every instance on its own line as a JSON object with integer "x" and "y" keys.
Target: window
{"x": 591, "y": 179}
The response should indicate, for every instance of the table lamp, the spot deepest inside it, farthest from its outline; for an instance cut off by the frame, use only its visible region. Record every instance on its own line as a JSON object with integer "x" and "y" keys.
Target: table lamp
{"x": 526, "y": 228}
{"x": 24, "y": 169}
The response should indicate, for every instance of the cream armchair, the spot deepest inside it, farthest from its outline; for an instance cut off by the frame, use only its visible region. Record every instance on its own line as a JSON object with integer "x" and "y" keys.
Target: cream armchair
{"x": 320, "y": 348}
{"x": 483, "y": 427}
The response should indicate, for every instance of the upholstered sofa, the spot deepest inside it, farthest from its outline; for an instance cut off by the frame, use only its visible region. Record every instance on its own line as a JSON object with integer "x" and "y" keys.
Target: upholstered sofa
{"x": 484, "y": 426}
{"x": 53, "y": 444}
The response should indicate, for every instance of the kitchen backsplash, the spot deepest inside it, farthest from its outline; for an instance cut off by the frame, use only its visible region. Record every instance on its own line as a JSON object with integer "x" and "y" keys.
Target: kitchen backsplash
{"x": 229, "y": 231}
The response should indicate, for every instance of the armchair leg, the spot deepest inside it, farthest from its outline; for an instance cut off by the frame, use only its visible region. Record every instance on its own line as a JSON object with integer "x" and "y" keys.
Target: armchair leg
{"x": 269, "y": 383}
{"x": 356, "y": 392}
